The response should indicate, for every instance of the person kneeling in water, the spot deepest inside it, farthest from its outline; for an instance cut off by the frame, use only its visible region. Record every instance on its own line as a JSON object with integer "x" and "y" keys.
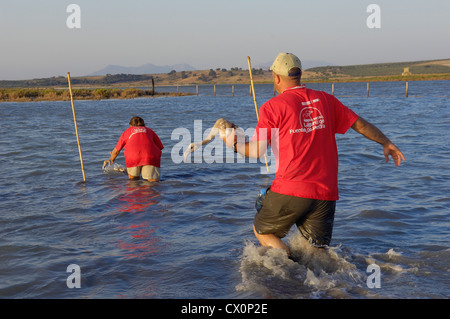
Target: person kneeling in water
{"x": 142, "y": 151}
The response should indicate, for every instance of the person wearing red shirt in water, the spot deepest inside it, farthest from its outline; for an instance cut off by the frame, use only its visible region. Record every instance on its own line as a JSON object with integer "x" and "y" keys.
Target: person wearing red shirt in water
{"x": 300, "y": 125}
{"x": 142, "y": 151}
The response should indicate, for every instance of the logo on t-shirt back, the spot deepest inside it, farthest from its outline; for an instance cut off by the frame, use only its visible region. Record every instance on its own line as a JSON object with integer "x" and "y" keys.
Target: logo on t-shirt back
{"x": 311, "y": 119}
{"x": 137, "y": 130}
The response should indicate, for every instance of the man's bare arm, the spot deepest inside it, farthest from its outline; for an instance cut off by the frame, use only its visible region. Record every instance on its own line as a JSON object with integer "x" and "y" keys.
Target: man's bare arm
{"x": 371, "y": 132}
{"x": 254, "y": 149}
{"x": 114, "y": 154}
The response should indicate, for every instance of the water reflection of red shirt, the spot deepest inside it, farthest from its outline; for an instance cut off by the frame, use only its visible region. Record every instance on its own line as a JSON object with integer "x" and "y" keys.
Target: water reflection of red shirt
{"x": 142, "y": 146}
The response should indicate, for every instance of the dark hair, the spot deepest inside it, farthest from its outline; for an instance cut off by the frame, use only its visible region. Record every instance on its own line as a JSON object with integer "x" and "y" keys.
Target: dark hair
{"x": 137, "y": 121}
{"x": 295, "y": 74}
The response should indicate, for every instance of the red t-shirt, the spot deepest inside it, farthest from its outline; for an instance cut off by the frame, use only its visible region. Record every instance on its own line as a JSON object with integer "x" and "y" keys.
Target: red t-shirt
{"x": 300, "y": 124}
{"x": 142, "y": 147}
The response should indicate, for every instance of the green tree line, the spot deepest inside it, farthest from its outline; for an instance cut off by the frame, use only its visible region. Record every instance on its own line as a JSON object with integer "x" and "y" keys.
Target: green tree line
{"x": 62, "y": 81}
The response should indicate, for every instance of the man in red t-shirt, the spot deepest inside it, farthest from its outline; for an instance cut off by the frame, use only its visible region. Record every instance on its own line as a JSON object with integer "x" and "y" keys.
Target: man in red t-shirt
{"x": 300, "y": 125}
{"x": 142, "y": 151}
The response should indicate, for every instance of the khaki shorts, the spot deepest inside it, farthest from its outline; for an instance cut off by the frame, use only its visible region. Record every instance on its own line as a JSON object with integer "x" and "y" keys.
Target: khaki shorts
{"x": 148, "y": 172}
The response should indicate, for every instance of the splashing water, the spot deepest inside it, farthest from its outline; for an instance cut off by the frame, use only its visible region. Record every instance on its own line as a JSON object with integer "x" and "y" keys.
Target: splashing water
{"x": 317, "y": 273}
{"x": 115, "y": 169}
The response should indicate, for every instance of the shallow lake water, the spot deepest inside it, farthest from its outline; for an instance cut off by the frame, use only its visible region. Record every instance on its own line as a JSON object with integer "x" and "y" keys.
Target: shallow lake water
{"x": 190, "y": 236}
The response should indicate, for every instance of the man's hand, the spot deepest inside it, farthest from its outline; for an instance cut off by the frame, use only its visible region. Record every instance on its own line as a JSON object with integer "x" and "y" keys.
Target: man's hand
{"x": 394, "y": 152}
{"x": 107, "y": 162}
{"x": 230, "y": 138}
{"x": 254, "y": 149}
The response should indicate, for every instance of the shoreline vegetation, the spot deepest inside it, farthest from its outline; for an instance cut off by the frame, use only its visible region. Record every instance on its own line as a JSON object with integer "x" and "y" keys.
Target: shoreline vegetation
{"x": 128, "y": 86}
{"x": 55, "y": 94}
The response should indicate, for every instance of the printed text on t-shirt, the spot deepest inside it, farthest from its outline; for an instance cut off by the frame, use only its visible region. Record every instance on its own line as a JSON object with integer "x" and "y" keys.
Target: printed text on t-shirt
{"x": 137, "y": 130}
{"x": 310, "y": 119}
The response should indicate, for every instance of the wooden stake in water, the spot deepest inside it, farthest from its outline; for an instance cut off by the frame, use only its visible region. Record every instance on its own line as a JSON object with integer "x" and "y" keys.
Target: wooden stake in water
{"x": 76, "y": 128}
{"x": 254, "y": 100}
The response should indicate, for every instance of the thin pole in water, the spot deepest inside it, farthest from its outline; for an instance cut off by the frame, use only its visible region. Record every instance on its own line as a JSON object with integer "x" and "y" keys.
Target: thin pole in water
{"x": 76, "y": 128}
{"x": 254, "y": 100}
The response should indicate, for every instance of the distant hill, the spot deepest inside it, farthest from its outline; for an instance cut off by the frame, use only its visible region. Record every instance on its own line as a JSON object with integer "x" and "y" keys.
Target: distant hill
{"x": 84, "y": 81}
{"x": 150, "y": 68}
{"x": 307, "y": 64}
{"x": 383, "y": 69}
{"x": 143, "y": 69}
{"x": 175, "y": 75}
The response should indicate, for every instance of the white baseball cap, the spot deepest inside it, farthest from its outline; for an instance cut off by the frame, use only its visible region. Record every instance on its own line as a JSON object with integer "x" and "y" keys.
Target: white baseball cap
{"x": 284, "y": 62}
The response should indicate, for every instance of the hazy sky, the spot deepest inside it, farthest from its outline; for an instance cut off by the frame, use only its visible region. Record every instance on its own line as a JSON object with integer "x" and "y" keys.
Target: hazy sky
{"x": 36, "y": 42}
